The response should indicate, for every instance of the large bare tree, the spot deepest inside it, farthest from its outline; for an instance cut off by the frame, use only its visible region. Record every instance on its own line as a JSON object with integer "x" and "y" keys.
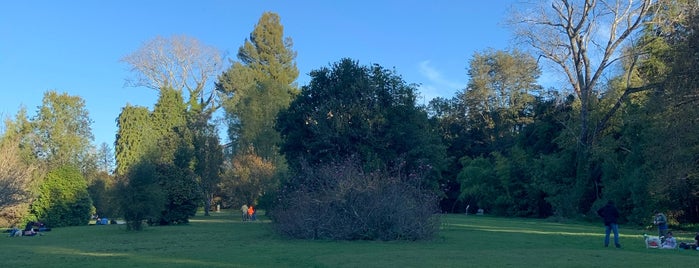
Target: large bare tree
{"x": 584, "y": 38}
{"x": 178, "y": 62}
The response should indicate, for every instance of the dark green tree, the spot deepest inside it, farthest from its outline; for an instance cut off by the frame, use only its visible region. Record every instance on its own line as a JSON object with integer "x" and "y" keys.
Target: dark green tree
{"x": 368, "y": 112}
{"x": 208, "y": 163}
{"x": 135, "y": 138}
{"x": 140, "y": 196}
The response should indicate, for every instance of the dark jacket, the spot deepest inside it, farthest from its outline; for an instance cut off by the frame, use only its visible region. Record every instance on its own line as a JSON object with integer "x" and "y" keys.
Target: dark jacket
{"x": 609, "y": 213}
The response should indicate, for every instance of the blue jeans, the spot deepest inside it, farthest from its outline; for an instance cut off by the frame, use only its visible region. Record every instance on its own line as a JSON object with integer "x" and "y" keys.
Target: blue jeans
{"x": 609, "y": 228}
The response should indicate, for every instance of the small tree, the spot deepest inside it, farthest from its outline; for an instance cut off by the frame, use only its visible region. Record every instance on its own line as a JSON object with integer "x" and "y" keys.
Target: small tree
{"x": 63, "y": 199}
{"x": 140, "y": 197}
{"x": 181, "y": 194}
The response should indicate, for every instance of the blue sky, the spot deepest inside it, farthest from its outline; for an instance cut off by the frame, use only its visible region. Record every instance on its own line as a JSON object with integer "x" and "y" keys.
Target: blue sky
{"x": 75, "y": 46}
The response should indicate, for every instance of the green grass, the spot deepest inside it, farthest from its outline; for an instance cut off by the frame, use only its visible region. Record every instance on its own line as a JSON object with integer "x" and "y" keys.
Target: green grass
{"x": 223, "y": 241}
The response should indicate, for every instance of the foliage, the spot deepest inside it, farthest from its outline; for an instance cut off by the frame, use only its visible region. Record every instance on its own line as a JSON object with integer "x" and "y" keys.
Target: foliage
{"x": 257, "y": 87}
{"x": 670, "y": 140}
{"x": 169, "y": 123}
{"x": 134, "y": 139}
{"x": 63, "y": 132}
{"x": 349, "y": 110}
{"x": 208, "y": 158}
{"x": 140, "y": 196}
{"x": 489, "y": 115}
{"x": 340, "y": 201}
{"x": 248, "y": 178}
{"x": 63, "y": 199}
{"x": 182, "y": 195}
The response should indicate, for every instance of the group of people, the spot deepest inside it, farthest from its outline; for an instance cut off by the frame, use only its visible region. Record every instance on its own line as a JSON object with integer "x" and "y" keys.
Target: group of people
{"x": 248, "y": 212}
{"x": 31, "y": 229}
{"x": 610, "y": 215}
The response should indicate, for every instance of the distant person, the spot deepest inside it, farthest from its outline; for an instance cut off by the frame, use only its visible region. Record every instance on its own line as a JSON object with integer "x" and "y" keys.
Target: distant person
{"x": 661, "y": 221}
{"x": 244, "y": 210}
{"x": 610, "y": 215}
{"x": 29, "y": 229}
{"x": 251, "y": 213}
{"x": 15, "y": 232}
{"x": 670, "y": 241}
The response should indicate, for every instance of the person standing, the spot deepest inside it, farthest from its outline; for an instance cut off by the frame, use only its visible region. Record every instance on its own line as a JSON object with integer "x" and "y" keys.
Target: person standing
{"x": 244, "y": 210}
{"x": 661, "y": 221}
{"x": 610, "y": 215}
{"x": 251, "y": 213}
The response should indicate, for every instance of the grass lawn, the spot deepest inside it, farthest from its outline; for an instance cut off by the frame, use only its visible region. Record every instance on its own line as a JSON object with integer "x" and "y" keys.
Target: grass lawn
{"x": 222, "y": 240}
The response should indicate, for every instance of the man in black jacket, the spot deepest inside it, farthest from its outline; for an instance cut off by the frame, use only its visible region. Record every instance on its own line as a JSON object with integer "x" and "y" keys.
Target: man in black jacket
{"x": 610, "y": 214}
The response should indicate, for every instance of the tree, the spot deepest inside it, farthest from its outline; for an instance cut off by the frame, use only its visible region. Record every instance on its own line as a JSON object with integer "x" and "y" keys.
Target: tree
{"x": 140, "y": 196}
{"x": 105, "y": 158}
{"x": 169, "y": 123}
{"x": 135, "y": 138}
{"x": 369, "y": 112}
{"x": 208, "y": 157}
{"x": 16, "y": 176}
{"x": 62, "y": 127}
{"x": 584, "y": 39}
{"x": 669, "y": 155}
{"x": 179, "y": 63}
{"x": 180, "y": 192}
{"x": 249, "y": 178}
{"x": 355, "y": 138}
{"x": 63, "y": 199}
{"x": 258, "y": 86}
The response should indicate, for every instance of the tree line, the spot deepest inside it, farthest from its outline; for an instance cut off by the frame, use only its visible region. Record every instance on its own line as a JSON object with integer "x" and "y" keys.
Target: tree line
{"x": 354, "y": 140}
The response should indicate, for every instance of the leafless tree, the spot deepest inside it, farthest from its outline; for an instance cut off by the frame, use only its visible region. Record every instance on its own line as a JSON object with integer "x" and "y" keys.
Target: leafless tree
{"x": 15, "y": 175}
{"x": 179, "y": 62}
{"x": 583, "y": 38}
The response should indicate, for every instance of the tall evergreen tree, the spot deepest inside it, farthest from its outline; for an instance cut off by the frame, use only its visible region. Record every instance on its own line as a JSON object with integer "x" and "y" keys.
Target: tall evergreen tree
{"x": 259, "y": 85}
{"x": 135, "y": 137}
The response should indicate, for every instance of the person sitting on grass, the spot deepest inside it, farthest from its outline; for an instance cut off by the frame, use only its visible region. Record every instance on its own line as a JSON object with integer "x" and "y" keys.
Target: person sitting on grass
{"x": 29, "y": 229}
{"x": 670, "y": 242}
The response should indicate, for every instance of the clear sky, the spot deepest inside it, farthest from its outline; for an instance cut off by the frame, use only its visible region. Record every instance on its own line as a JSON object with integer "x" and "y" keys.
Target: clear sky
{"x": 75, "y": 46}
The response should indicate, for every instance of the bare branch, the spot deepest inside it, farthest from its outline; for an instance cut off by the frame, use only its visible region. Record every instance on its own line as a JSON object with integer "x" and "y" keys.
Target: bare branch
{"x": 179, "y": 62}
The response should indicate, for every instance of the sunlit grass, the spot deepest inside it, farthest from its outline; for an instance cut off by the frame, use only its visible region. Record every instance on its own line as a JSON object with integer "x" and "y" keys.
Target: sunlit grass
{"x": 222, "y": 240}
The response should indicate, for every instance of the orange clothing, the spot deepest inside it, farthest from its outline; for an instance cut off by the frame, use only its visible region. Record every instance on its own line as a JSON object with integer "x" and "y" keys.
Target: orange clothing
{"x": 251, "y": 210}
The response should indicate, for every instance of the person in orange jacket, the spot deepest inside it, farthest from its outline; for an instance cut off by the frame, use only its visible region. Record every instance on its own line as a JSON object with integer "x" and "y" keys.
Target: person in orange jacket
{"x": 251, "y": 213}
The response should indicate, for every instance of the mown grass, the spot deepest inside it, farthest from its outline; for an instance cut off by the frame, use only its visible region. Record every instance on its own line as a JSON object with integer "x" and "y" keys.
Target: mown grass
{"x": 221, "y": 240}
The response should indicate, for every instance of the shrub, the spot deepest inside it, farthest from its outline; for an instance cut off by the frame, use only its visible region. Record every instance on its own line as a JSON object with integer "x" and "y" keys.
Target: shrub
{"x": 182, "y": 195}
{"x": 63, "y": 199}
{"x": 140, "y": 197}
{"x": 339, "y": 201}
